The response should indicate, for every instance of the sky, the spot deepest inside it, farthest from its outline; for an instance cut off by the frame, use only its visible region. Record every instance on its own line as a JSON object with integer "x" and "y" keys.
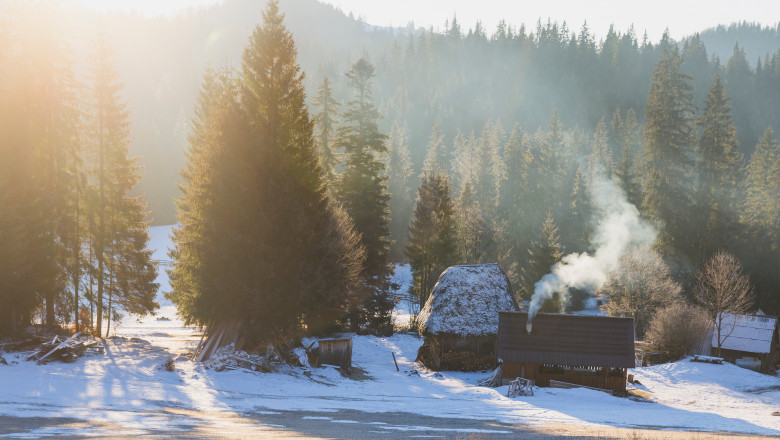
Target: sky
{"x": 682, "y": 18}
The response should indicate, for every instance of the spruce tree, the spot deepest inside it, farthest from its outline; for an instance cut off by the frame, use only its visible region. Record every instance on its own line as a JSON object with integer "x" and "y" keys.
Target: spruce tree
{"x": 399, "y": 170}
{"x": 718, "y": 165}
{"x": 201, "y": 253}
{"x": 432, "y": 240}
{"x": 260, "y": 243}
{"x": 626, "y": 169}
{"x": 761, "y": 208}
{"x": 21, "y": 255}
{"x": 326, "y": 126}
{"x": 543, "y": 253}
{"x": 362, "y": 189}
{"x": 514, "y": 187}
{"x": 464, "y": 164}
{"x": 123, "y": 267}
{"x": 436, "y": 156}
{"x": 668, "y": 153}
{"x": 490, "y": 167}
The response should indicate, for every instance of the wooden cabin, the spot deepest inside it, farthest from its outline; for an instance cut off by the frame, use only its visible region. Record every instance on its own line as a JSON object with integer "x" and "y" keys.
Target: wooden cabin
{"x": 461, "y": 314}
{"x": 336, "y": 350}
{"x": 746, "y": 336}
{"x": 593, "y": 351}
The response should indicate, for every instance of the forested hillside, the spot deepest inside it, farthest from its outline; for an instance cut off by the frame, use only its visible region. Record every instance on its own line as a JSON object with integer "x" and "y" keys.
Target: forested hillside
{"x": 465, "y": 77}
{"x": 435, "y": 146}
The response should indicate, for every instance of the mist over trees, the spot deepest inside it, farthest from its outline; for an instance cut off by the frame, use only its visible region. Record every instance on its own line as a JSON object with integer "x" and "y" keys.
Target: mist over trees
{"x": 517, "y": 123}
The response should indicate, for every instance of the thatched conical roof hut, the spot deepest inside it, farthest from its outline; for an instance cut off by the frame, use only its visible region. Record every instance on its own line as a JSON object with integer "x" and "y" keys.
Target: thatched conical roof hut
{"x": 461, "y": 314}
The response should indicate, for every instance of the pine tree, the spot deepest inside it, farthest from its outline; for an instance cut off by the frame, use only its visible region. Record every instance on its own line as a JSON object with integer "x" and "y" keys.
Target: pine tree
{"x": 514, "y": 187}
{"x": 761, "y": 209}
{"x": 543, "y": 253}
{"x": 628, "y": 140}
{"x": 260, "y": 243}
{"x": 362, "y": 189}
{"x": 464, "y": 164}
{"x": 718, "y": 164}
{"x": 399, "y": 170}
{"x": 123, "y": 266}
{"x": 668, "y": 153}
{"x": 326, "y": 126}
{"x": 50, "y": 109}
{"x": 600, "y": 158}
{"x": 580, "y": 213}
{"x": 432, "y": 241}
{"x": 490, "y": 167}
{"x": 201, "y": 240}
{"x": 436, "y": 156}
{"x": 20, "y": 253}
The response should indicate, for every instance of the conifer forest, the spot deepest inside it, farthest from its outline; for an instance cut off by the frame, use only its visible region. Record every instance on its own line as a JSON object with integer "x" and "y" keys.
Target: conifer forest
{"x": 287, "y": 220}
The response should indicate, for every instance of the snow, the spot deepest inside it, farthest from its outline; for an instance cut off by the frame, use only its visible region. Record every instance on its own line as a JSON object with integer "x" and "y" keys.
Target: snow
{"x": 406, "y": 304}
{"x": 466, "y": 301}
{"x": 128, "y": 390}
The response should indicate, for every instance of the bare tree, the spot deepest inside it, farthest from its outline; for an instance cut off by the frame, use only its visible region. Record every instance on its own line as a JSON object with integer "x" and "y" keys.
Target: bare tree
{"x": 639, "y": 285}
{"x": 722, "y": 288}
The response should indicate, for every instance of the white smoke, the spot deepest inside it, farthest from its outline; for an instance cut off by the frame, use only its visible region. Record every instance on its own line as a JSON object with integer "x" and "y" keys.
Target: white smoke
{"x": 619, "y": 228}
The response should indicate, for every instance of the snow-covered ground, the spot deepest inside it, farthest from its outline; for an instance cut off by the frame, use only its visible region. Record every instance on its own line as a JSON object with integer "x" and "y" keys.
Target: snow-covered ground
{"x": 127, "y": 390}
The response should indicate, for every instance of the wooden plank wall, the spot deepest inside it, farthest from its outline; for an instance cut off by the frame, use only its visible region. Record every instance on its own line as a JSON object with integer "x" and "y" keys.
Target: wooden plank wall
{"x": 542, "y": 379}
{"x": 336, "y": 352}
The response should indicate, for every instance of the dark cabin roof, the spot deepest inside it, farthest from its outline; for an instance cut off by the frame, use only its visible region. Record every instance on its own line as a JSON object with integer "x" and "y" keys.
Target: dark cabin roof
{"x": 570, "y": 340}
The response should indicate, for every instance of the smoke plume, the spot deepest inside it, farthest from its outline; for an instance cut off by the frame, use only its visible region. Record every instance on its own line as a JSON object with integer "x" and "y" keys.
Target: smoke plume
{"x": 618, "y": 227}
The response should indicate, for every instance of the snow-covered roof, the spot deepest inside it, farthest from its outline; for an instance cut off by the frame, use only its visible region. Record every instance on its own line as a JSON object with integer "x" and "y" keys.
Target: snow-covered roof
{"x": 466, "y": 301}
{"x": 747, "y": 333}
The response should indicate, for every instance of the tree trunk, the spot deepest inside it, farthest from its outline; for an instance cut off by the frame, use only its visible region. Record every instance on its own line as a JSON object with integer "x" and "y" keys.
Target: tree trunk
{"x": 76, "y": 262}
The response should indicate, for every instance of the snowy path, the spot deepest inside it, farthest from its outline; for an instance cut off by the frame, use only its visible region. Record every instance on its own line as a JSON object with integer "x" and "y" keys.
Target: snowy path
{"x": 126, "y": 393}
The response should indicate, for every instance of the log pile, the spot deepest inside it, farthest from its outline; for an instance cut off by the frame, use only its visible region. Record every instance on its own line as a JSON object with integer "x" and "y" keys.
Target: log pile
{"x": 47, "y": 348}
{"x": 218, "y": 335}
{"x": 495, "y": 379}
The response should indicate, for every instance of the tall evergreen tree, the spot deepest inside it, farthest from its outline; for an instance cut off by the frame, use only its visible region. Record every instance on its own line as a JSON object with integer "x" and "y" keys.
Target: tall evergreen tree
{"x": 668, "y": 153}
{"x": 543, "y": 253}
{"x": 124, "y": 270}
{"x": 464, "y": 164}
{"x": 21, "y": 252}
{"x": 718, "y": 164}
{"x": 432, "y": 240}
{"x": 436, "y": 156}
{"x": 254, "y": 208}
{"x": 362, "y": 189}
{"x": 626, "y": 169}
{"x": 490, "y": 167}
{"x": 399, "y": 170}
{"x": 201, "y": 253}
{"x": 326, "y": 126}
{"x": 761, "y": 209}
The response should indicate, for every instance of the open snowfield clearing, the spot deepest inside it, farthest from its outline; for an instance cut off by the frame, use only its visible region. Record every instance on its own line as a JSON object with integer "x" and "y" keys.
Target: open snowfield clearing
{"x": 126, "y": 392}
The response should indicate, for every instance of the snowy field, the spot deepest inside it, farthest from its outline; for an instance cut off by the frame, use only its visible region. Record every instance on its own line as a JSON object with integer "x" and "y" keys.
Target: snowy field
{"x": 125, "y": 392}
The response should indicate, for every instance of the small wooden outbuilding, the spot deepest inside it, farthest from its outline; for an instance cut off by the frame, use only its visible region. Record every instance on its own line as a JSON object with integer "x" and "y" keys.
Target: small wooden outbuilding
{"x": 336, "y": 350}
{"x": 461, "y": 314}
{"x": 593, "y": 351}
{"x": 748, "y": 336}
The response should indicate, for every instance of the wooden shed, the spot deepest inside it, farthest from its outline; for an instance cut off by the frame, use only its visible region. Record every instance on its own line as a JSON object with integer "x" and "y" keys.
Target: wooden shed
{"x": 753, "y": 336}
{"x": 593, "y": 351}
{"x": 336, "y": 350}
